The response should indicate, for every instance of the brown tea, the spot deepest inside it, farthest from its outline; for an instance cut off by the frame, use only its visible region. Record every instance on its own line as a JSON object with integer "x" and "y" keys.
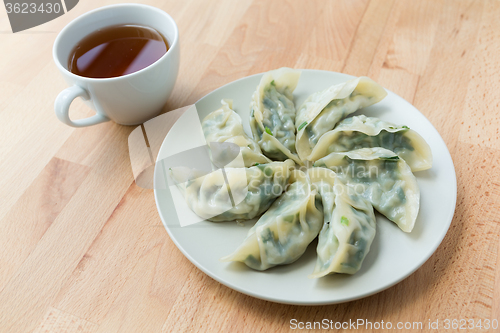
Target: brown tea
{"x": 117, "y": 50}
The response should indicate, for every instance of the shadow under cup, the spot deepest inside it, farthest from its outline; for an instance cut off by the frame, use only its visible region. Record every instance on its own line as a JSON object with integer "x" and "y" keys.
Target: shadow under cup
{"x": 129, "y": 99}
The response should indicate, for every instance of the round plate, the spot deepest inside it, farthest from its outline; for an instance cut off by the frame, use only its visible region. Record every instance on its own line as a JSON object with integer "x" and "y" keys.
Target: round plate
{"x": 393, "y": 256}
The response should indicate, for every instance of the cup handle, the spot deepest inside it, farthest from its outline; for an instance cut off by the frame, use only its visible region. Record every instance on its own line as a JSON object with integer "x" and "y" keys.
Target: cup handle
{"x": 63, "y": 101}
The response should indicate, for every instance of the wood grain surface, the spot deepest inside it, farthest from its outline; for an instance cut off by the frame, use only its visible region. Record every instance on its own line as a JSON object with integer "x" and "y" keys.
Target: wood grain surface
{"x": 82, "y": 248}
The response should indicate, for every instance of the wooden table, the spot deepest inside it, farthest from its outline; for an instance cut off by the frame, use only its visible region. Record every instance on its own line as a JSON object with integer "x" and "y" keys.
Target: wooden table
{"x": 82, "y": 248}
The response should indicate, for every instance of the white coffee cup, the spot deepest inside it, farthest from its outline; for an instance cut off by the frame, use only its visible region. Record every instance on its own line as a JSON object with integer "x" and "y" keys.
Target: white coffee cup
{"x": 129, "y": 99}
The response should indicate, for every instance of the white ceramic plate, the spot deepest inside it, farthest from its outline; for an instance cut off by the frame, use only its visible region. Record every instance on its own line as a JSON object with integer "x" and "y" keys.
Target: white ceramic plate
{"x": 394, "y": 255}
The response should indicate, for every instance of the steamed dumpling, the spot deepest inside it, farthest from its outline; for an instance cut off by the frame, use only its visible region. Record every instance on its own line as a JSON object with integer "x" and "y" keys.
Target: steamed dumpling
{"x": 368, "y": 132}
{"x": 382, "y": 178}
{"x": 272, "y": 114}
{"x": 224, "y": 125}
{"x": 283, "y": 233}
{"x": 250, "y": 192}
{"x": 323, "y": 110}
{"x": 348, "y": 229}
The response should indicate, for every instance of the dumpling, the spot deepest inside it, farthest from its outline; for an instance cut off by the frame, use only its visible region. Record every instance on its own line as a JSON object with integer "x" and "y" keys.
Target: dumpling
{"x": 224, "y": 125}
{"x": 368, "y": 132}
{"x": 323, "y": 110}
{"x": 250, "y": 192}
{"x": 272, "y": 114}
{"x": 283, "y": 233}
{"x": 382, "y": 178}
{"x": 348, "y": 229}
